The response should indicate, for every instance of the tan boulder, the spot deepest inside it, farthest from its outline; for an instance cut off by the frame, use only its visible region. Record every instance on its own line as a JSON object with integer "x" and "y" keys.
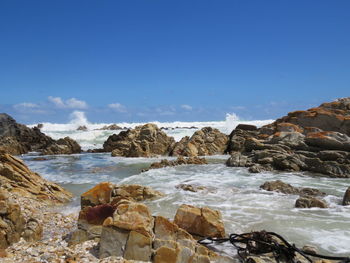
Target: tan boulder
{"x": 207, "y": 141}
{"x": 18, "y": 178}
{"x": 138, "y": 247}
{"x": 133, "y": 216}
{"x": 200, "y": 221}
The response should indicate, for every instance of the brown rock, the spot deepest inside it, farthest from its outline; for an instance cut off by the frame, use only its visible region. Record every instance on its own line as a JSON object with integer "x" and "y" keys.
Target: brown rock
{"x": 346, "y": 198}
{"x": 281, "y": 187}
{"x": 33, "y": 230}
{"x": 62, "y": 146}
{"x": 143, "y": 141}
{"x": 16, "y": 175}
{"x": 138, "y": 247}
{"x": 207, "y": 141}
{"x": 179, "y": 161}
{"x": 200, "y": 221}
{"x": 100, "y": 194}
{"x": 309, "y": 202}
{"x": 134, "y": 216}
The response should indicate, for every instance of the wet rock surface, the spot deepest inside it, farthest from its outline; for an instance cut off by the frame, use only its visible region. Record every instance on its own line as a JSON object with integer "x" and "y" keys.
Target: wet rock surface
{"x": 281, "y": 187}
{"x": 143, "y": 141}
{"x": 179, "y": 161}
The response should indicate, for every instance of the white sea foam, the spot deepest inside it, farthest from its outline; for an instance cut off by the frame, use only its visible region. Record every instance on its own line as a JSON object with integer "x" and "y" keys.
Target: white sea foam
{"x": 93, "y": 138}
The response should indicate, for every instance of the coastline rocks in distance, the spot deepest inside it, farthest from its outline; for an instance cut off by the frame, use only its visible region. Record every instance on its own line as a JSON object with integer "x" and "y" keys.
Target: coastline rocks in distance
{"x": 30, "y": 139}
{"x": 82, "y": 128}
{"x": 143, "y": 141}
{"x": 18, "y": 139}
{"x": 62, "y": 146}
{"x": 207, "y": 141}
{"x": 16, "y": 177}
{"x": 179, "y": 161}
{"x": 112, "y": 127}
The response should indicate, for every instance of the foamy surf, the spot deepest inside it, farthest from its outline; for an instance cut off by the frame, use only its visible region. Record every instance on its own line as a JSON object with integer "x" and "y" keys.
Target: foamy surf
{"x": 233, "y": 191}
{"x": 93, "y": 137}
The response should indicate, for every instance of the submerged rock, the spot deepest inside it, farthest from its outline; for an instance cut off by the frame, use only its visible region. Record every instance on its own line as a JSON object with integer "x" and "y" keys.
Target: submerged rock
{"x": 346, "y": 198}
{"x": 281, "y": 187}
{"x": 143, "y": 141}
{"x": 179, "y": 161}
{"x": 309, "y": 202}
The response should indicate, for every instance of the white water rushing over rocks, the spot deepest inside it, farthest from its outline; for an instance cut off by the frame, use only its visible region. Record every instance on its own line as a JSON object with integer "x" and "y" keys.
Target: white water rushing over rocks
{"x": 93, "y": 138}
{"x": 233, "y": 191}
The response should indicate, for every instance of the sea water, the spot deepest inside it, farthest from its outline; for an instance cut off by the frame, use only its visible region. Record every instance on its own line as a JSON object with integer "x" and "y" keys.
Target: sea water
{"x": 234, "y": 192}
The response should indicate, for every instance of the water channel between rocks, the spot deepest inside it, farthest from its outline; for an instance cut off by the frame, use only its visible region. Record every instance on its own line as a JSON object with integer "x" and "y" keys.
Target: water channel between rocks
{"x": 233, "y": 191}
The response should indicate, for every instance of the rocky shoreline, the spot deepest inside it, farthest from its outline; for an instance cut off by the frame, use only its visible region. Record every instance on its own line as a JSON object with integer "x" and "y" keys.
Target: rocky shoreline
{"x": 114, "y": 224}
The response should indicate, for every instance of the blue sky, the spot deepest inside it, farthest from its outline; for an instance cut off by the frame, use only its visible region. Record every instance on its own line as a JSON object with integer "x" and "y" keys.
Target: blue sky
{"x": 171, "y": 60}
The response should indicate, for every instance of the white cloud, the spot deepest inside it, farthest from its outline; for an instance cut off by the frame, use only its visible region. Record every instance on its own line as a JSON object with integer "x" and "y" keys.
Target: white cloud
{"x": 186, "y": 107}
{"x": 117, "y": 107}
{"x": 71, "y": 103}
{"x": 28, "y": 107}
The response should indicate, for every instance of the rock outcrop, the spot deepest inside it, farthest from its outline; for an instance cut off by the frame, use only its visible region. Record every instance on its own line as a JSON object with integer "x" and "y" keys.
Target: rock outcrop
{"x": 16, "y": 177}
{"x": 112, "y": 127}
{"x": 207, "y": 141}
{"x": 309, "y": 202}
{"x": 316, "y": 140}
{"x": 126, "y": 228}
{"x": 18, "y": 139}
{"x": 62, "y": 146}
{"x": 179, "y": 161}
{"x": 13, "y": 225}
{"x": 143, "y": 141}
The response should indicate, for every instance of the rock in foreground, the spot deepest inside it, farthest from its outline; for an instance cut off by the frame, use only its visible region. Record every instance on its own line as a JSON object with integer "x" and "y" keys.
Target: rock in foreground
{"x": 16, "y": 177}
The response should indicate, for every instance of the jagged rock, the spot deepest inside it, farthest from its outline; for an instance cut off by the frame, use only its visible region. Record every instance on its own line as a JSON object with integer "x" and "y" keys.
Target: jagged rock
{"x": 281, "y": 187}
{"x": 200, "y": 221}
{"x": 11, "y": 146}
{"x": 16, "y": 177}
{"x": 82, "y": 128}
{"x": 207, "y": 141}
{"x": 143, "y": 141}
{"x": 63, "y": 146}
{"x": 30, "y": 139}
{"x": 237, "y": 160}
{"x": 179, "y": 161}
{"x": 112, "y": 127}
{"x": 309, "y": 202}
{"x": 346, "y": 198}
{"x": 18, "y": 139}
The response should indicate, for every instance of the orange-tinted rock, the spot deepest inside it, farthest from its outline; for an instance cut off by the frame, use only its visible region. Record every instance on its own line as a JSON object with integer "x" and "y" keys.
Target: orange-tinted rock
{"x": 134, "y": 216}
{"x": 100, "y": 194}
{"x": 200, "y": 221}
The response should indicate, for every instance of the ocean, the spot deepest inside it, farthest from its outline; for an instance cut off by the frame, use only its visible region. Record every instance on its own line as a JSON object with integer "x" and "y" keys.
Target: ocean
{"x": 233, "y": 191}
